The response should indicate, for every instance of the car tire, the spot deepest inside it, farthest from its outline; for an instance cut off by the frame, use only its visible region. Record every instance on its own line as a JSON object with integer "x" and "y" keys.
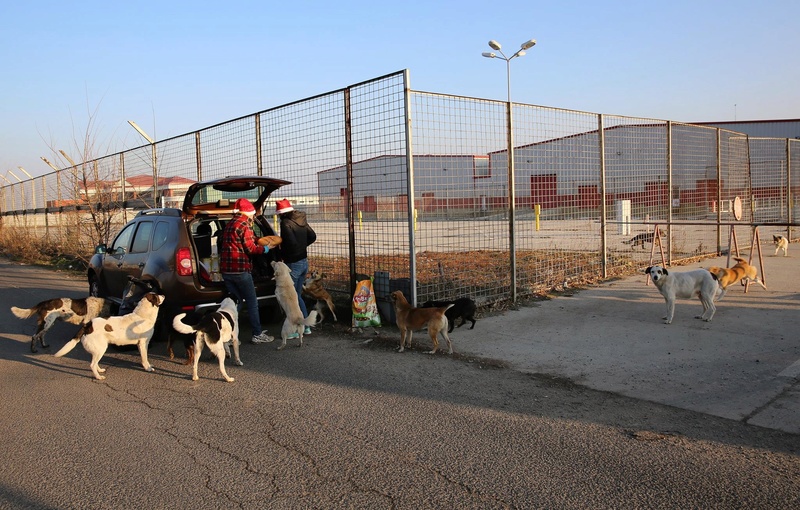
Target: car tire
{"x": 94, "y": 286}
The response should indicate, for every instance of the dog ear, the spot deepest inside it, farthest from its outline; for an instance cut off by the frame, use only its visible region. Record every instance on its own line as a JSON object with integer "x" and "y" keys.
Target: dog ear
{"x": 647, "y": 271}
{"x": 664, "y": 270}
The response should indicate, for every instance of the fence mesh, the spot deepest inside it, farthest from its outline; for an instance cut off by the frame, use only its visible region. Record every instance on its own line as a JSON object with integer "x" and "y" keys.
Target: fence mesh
{"x": 416, "y": 185}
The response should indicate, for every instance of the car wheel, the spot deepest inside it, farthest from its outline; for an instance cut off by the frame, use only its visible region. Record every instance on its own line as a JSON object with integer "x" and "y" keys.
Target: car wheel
{"x": 94, "y": 286}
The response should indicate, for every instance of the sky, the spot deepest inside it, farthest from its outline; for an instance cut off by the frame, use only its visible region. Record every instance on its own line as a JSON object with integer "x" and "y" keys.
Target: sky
{"x": 77, "y": 71}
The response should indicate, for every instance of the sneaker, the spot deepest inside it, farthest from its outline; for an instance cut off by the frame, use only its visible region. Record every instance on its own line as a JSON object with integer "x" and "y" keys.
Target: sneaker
{"x": 307, "y": 331}
{"x": 293, "y": 335}
{"x": 262, "y": 338}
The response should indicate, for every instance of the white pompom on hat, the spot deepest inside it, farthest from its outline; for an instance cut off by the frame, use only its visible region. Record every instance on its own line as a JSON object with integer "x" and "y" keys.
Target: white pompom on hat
{"x": 245, "y": 207}
{"x": 283, "y": 206}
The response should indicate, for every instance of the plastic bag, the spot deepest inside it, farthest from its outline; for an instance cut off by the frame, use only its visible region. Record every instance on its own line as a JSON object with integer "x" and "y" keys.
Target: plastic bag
{"x": 365, "y": 308}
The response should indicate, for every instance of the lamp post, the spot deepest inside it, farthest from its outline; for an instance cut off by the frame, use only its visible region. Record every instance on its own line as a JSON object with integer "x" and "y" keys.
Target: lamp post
{"x": 153, "y": 148}
{"x": 510, "y": 136}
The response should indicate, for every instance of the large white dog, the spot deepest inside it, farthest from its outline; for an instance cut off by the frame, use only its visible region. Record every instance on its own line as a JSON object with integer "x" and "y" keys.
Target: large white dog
{"x": 686, "y": 285}
{"x": 215, "y": 330}
{"x": 135, "y": 328}
{"x": 286, "y": 295}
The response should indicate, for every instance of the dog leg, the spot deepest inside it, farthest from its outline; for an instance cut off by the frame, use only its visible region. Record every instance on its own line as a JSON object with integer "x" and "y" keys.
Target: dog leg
{"x": 403, "y": 333}
{"x": 221, "y": 358}
{"x": 95, "y": 365}
{"x": 670, "y": 311}
{"x": 449, "y": 343}
{"x": 198, "y": 349}
{"x": 143, "y": 352}
{"x": 332, "y": 308}
{"x": 434, "y": 332}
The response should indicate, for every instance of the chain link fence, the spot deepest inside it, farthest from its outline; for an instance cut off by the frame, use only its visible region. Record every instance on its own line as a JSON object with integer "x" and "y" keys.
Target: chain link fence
{"x": 415, "y": 187}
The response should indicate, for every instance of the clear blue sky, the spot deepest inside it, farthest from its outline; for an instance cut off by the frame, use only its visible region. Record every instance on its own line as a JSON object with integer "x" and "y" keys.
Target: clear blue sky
{"x": 174, "y": 67}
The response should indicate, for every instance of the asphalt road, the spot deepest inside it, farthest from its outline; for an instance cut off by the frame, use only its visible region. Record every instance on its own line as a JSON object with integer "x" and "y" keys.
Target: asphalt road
{"x": 347, "y": 422}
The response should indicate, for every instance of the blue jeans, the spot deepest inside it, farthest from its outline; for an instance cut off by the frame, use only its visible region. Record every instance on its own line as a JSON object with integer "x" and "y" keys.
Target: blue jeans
{"x": 299, "y": 270}
{"x": 241, "y": 286}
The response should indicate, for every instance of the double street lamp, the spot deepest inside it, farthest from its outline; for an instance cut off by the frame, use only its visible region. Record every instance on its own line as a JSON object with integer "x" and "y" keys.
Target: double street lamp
{"x": 153, "y": 156}
{"x": 510, "y": 137}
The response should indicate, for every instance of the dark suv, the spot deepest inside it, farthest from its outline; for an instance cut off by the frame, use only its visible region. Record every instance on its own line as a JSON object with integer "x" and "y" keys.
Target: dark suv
{"x": 178, "y": 247}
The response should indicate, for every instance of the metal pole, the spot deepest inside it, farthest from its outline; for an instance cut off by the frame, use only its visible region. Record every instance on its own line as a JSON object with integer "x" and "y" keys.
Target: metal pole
{"x": 410, "y": 183}
{"x": 348, "y": 151}
{"x": 601, "y": 140}
{"x": 511, "y": 190}
{"x": 788, "y": 187}
{"x": 669, "y": 191}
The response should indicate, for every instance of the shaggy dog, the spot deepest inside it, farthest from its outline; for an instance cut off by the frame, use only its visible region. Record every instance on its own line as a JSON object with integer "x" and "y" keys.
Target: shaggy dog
{"x": 781, "y": 243}
{"x": 410, "y": 319}
{"x": 73, "y": 311}
{"x": 313, "y": 288}
{"x": 462, "y": 307}
{"x": 287, "y": 298}
{"x": 686, "y": 285}
{"x": 135, "y": 328}
{"x": 740, "y": 272}
{"x": 215, "y": 330}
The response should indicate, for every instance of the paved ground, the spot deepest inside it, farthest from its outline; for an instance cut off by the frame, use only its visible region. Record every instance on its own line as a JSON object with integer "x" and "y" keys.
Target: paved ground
{"x": 745, "y": 365}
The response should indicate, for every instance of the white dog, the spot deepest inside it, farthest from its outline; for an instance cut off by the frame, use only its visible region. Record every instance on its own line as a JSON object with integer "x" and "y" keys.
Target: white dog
{"x": 781, "y": 243}
{"x": 216, "y": 330}
{"x": 287, "y": 298}
{"x": 686, "y": 285}
{"x": 135, "y": 328}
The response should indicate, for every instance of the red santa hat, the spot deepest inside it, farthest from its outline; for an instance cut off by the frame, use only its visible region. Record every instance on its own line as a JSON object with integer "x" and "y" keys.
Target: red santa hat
{"x": 245, "y": 207}
{"x": 283, "y": 206}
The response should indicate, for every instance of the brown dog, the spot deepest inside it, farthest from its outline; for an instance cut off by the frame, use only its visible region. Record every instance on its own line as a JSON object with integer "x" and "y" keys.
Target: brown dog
{"x": 410, "y": 319}
{"x": 313, "y": 288}
{"x": 740, "y": 272}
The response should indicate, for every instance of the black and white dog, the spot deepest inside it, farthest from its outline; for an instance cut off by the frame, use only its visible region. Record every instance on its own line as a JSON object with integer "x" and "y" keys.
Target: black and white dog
{"x": 686, "y": 285}
{"x": 73, "y": 311}
{"x": 215, "y": 330}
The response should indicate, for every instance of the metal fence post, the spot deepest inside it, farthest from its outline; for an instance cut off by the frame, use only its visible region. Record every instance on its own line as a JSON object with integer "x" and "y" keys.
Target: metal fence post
{"x": 259, "y": 168}
{"x": 601, "y": 147}
{"x": 412, "y": 262}
{"x": 512, "y": 193}
{"x": 348, "y": 149}
{"x": 669, "y": 192}
{"x": 719, "y": 190}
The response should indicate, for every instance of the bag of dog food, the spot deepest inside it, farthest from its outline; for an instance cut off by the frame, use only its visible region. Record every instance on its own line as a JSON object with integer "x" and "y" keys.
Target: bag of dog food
{"x": 365, "y": 308}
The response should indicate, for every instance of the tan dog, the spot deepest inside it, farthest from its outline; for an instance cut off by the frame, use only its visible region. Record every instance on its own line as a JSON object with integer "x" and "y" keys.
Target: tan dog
{"x": 740, "y": 272}
{"x": 781, "y": 243}
{"x": 287, "y": 298}
{"x": 313, "y": 288}
{"x": 73, "y": 311}
{"x": 135, "y": 328}
{"x": 410, "y": 319}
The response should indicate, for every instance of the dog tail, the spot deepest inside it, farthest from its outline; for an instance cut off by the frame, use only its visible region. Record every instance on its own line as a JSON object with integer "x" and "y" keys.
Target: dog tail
{"x": 75, "y": 340}
{"x": 311, "y": 320}
{"x": 23, "y": 313}
{"x": 179, "y": 326}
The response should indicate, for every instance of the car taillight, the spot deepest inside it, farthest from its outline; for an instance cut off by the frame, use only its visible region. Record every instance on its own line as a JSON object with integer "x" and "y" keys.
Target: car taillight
{"x": 183, "y": 262}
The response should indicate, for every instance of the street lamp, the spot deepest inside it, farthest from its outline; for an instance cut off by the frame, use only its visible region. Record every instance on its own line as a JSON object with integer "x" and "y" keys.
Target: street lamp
{"x": 153, "y": 147}
{"x": 510, "y": 136}
{"x": 33, "y": 186}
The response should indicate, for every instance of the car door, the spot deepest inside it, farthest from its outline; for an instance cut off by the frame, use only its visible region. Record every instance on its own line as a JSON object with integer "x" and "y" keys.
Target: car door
{"x": 127, "y": 257}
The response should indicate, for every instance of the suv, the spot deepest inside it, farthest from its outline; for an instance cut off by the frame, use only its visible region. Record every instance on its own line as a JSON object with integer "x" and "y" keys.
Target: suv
{"x": 178, "y": 247}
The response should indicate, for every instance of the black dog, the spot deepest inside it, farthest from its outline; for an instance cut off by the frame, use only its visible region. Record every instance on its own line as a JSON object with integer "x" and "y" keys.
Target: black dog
{"x": 641, "y": 239}
{"x": 462, "y": 307}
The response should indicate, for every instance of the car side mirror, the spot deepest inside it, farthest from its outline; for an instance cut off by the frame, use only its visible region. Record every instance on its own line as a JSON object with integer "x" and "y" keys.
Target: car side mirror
{"x": 101, "y": 249}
